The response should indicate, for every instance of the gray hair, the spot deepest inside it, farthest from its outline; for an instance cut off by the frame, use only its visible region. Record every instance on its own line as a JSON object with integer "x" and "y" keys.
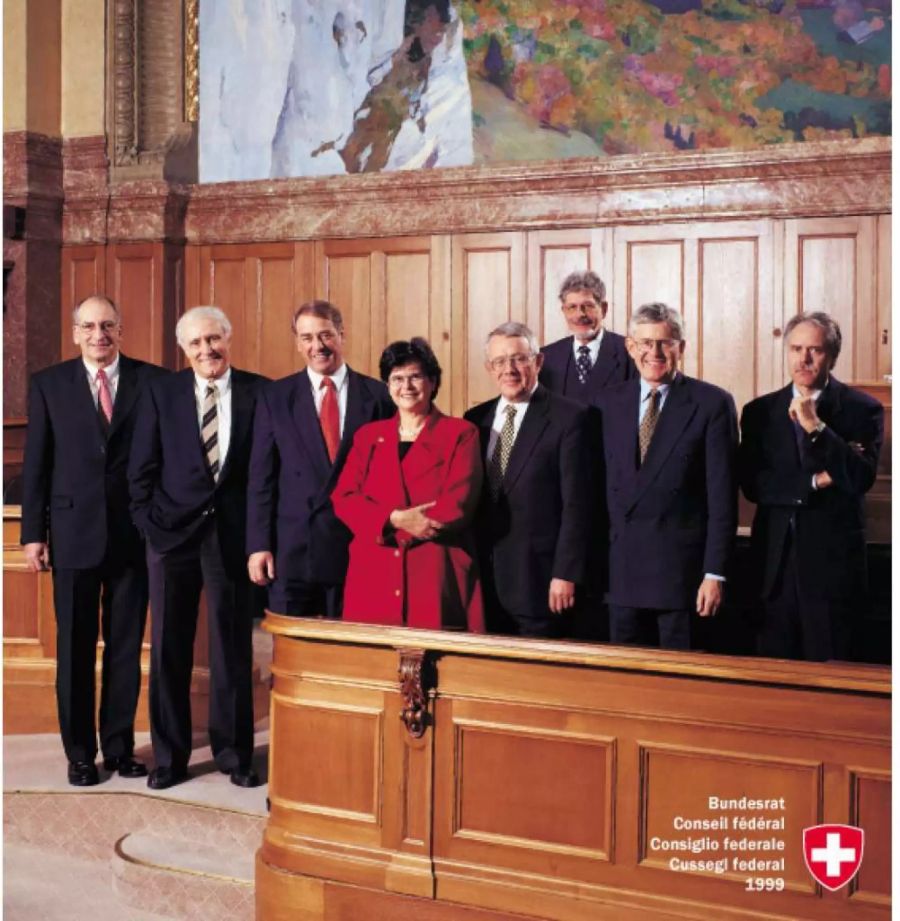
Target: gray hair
{"x": 513, "y": 330}
{"x": 826, "y": 323}
{"x": 584, "y": 281}
{"x": 657, "y": 312}
{"x": 96, "y": 297}
{"x": 201, "y": 313}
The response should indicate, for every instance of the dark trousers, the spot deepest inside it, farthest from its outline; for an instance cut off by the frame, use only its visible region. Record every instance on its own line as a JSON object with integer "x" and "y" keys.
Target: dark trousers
{"x": 298, "y": 598}
{"x": 176, "y": 579}
{"x": 797, "y": 625}
{"x": 119, "y": 590}
{"x": 649, "y": 627}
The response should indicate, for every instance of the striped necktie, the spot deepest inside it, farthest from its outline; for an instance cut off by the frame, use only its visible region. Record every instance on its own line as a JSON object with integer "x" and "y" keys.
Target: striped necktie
{"x": 502, "y": 450}
{"x": 648, "y": 423}
{"x": 209, "y": 429}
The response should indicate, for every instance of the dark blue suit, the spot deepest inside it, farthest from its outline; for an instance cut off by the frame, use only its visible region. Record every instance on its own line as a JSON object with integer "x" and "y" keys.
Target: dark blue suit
{"x": 810, "y": 545}
{"x": 673, "y": 518}
{"x": 613, "y": 365}
{"x": 289, "y": 511}
{"x": 75, "y": 488}
{"x": 195, "y": 529}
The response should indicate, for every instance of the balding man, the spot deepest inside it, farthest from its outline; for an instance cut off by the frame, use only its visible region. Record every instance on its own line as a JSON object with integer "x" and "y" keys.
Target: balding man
{"x": 81, "y": 416}
{"x": 188, "y": 477}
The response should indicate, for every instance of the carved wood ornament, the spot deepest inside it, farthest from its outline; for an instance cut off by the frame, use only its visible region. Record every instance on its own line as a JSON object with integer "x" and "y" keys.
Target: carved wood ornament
{"x": 413, "y": 691}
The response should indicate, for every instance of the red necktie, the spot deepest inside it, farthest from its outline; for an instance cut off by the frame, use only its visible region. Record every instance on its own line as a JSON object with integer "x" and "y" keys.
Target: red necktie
{"x": 330, "y": 418}
{"x": 105, "y": 397}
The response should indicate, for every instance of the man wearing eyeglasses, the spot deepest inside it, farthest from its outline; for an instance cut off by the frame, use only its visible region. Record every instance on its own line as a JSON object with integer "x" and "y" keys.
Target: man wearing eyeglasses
{"x": 669, "y": 452}
{"x": 81, "y": 417}
{"x": 304, "y": 427}
{"x": 533, "y": 523}
{"x": 580, "y": 365}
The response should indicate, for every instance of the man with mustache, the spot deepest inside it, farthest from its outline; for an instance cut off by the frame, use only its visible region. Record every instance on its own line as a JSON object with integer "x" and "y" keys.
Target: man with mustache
{"x": 81, "y": 419}
{"x": 809, "y": 454}
{"x": 305, "y": 425}
{"x": 188, "y": 478}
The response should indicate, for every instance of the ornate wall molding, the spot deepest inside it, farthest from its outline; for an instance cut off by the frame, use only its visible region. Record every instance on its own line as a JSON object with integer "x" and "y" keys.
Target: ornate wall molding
{"x": 192, "y": 60}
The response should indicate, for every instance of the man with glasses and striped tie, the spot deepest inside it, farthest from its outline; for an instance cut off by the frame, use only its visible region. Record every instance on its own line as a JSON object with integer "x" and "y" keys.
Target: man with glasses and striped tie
{"x": 533, "y": 524}
{"x": 188, "y": 478}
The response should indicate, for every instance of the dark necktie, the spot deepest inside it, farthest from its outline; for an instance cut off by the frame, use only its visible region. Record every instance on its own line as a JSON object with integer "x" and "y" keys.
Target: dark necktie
{"x": 502, "y": 450}
{"x": 330, "y": 418}
{"x": 209, "y": 429}
{"x": 648, "y": 423}
{"x": 583, "y": 363}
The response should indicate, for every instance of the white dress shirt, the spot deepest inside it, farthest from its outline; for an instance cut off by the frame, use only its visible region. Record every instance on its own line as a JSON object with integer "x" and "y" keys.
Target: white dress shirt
{"x": 340, "y": 378}
{"x": 112, "y": 377}
{"x": 223, "y": 408}
{"x": 593, "y": 346}
{"x": 500, "y": 419}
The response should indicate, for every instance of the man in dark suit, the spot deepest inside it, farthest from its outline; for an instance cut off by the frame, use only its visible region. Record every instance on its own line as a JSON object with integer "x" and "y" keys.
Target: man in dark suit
{"x": 188, "y": 478}
{"x": 669, "y": 452}
{"x": 304, "y": 427}
{"x": 809, "y": 453}
{"x": 81, "y": 416}
{"x": 533, "y": 524}
{"x": 581, "y": 365}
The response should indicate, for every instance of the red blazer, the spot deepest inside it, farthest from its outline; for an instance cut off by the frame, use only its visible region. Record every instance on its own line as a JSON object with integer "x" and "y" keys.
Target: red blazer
{"x": 394, "y": 578}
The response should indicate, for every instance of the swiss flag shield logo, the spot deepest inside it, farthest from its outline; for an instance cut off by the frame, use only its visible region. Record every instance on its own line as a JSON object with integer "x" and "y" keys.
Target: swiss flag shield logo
{"x": 833, "y": 853}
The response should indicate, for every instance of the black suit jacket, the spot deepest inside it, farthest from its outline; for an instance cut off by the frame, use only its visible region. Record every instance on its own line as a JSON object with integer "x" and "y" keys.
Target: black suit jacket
{"x": 828, "y": 524}
{"x": 75, "y": 484}
{"x": 289, "y": 511}
{"x": 173, "y": 492}
{"x": 540, "y": 527}
{"x": 613, "y": 365}
{"x": 673, "y": 518}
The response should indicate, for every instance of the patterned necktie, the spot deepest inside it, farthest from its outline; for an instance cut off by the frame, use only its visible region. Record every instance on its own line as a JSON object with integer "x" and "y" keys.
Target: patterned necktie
{"x": 330, "y": 418}
{"x": 648, "y": 423}
{"x": 502, "y": 450}
{"x": 104, "y": 395}
{"x": 583, "y": 363}
{"x": 209, "y": 429}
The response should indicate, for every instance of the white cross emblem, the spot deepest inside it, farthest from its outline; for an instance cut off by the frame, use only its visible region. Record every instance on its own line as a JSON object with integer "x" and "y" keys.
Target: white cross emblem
{"x": 833, "y": 855}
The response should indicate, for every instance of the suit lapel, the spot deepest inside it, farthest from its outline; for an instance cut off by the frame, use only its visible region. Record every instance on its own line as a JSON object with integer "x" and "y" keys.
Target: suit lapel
{"x": 359, "y": 411}
{"x": 624, "y": 412}
{"x": 186, "y": 412}
{"x": 606, "y": 364}
{"x": 307, "y": 430}
{"x": 785, "y": 432}
{"x": 536, "y": 420}
{"x": 241, "y": 417}
{"x": 126, "y": 393}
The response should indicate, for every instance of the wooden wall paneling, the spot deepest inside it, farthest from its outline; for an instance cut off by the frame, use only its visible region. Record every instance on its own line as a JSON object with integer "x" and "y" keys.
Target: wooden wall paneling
{"x": 552, "y": 255}
{"x": 274, "y": 353}
{"x": 83, "y": 273}
{"x": 134, "y": 279}
{"x": 441, "y": 312}
{"x": 829, "y": 264}
{"x": 883, "y": 291}
{"x": 192, "y": 276}
{"x": 488, "y": 288}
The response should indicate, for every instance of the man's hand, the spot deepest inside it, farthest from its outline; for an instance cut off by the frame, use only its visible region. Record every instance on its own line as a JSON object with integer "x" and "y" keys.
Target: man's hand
{"x": 414, "y": 521}
{"x": 37, "y": 556}
{"x": 709, "y": 597}
{"x": 261, "y": 567}
{"x": 823, "y": 480}
{"x": 803, "y": 411}
{"x": 562, "y": 595}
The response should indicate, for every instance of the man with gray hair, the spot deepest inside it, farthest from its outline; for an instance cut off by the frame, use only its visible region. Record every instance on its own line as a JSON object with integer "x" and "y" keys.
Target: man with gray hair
{"x": 533, "y": 524}
{"x": 809, "y": 454}
{"x": 579, "y": 366}
{"x": 669, "y": 451}
{"x": 188, "y": 479}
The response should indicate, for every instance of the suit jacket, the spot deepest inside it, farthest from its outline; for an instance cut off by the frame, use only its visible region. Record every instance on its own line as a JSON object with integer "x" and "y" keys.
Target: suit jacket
{"x": 673, "y": 518}
{"x": 289, "y": 511}
{"x": 393, "y": 577}
{"x": 75, "y": 474}
{"x": 613, "y": 365}
{"x": 828, "y": 524}
{"x": 173, "y": 493}
{"x": 540, "y": 526}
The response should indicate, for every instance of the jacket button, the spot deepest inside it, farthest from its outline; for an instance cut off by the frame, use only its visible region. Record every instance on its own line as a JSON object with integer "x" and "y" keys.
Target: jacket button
{"x": 396, "y": 553}
{"x": 397, "y": 592}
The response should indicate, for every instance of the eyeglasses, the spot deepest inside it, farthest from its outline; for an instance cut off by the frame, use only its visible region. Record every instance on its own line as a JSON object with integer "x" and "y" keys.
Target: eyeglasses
{"x": 505, "y": 361}
{"x": 649, "y": 345}
{"x": 586, "y": 306}
{"x": 400, "y": 380}
{"x": 107, "y": 326}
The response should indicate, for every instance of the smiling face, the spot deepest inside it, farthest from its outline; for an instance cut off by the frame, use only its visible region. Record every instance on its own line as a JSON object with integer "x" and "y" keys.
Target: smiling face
{"x": 207, "y": 347}
{"x": 584, "y": 314}
{"x": 320, "y": 343}
{"x": 513, "y": 366}
{"x": 808, "y": 358}
{"x": 655, "y": 352}
{"x": 98, "y": 332}
{"x": 410, "y": 389}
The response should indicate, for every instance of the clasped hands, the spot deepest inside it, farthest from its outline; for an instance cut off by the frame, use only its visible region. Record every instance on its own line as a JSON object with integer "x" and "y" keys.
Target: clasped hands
{"x": 416, "y": 522}
{"x": 803, "y": 411}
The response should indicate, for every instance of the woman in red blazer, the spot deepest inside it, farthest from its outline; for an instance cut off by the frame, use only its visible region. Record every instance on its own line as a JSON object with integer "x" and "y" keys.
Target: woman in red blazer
{"x": 408, "y": 492}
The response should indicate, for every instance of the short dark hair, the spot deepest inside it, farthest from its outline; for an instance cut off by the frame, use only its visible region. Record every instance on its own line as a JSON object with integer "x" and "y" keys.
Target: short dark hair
{"x": 584, "y": 281}
{"x": 324, "y": 310}
{"x": 826, "y": 323}
{"x": 417, "y": 350}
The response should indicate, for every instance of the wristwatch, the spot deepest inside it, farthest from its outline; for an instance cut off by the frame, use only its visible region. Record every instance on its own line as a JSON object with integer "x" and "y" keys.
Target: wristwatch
{"x": 820, "y": 427}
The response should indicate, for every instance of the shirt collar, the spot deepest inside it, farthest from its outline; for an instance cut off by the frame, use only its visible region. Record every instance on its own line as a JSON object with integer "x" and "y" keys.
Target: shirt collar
{"x": 662, "y": 388}
{"x": 339, "y": 377}
{"x": 222, "y": 383}
{"x": 522, "y": 404}
{"x": 111, "y": 369}
{"x": 815, "y": 394}
{"x": 592, "y": 344}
